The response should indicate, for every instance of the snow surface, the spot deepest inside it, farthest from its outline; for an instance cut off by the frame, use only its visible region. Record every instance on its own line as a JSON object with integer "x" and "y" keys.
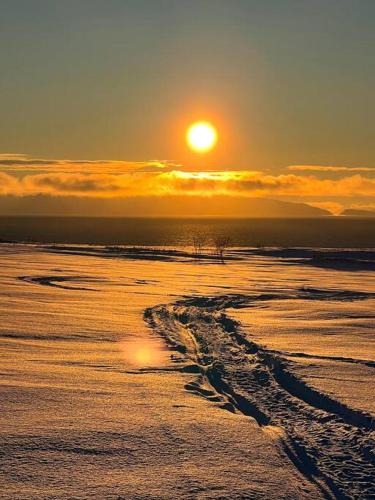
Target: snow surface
{"x": 151, "y": 374}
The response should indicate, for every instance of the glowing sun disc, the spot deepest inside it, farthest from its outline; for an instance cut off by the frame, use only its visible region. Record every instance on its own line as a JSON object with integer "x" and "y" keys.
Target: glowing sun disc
{"x": 201, "y": 137}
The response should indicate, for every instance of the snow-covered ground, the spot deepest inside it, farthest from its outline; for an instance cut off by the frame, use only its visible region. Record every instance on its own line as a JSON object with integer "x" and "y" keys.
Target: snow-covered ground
{"x": 151, "y": 374}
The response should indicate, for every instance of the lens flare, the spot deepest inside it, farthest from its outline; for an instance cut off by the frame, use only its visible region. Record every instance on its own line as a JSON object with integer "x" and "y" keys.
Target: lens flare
{"x": 143, "y": 352}
{"x": 201, "y": 137}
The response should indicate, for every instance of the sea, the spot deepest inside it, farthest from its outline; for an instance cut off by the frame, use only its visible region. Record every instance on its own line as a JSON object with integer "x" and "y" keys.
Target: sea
{"x": 326, "y": 232}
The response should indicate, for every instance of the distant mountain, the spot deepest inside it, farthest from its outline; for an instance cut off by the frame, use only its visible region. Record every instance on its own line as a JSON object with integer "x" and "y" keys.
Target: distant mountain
{"x": 356, "y": 212}
{"x": 158, "y": 206}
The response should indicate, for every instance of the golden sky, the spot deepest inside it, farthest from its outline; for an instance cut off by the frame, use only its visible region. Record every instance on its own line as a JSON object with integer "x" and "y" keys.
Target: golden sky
{"x": 288, "y": 86}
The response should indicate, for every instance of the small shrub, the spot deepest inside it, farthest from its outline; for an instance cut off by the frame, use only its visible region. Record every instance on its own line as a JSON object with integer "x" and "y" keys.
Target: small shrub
{"x": 199, "y": 241}
{"x": 221, "y": 243}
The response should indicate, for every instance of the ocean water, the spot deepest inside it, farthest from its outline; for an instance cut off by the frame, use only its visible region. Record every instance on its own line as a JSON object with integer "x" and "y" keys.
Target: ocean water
{"x": 329, "y": 232}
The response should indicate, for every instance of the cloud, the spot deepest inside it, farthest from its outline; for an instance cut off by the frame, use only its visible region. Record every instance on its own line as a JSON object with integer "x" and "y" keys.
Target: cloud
{"x": 9, "y": 185}
{"x": 6, "y": 156}
{"x": 362, "y": 206}
{"x": 186, "y": 183}
{"x": 323, "y": 168}
{"x": 259, "y": 184}
{"x": 162, "y": 178}
{"x": 24, "y": 163}
{"x": 73, "y": 184}
{"x": 332, "y": 206}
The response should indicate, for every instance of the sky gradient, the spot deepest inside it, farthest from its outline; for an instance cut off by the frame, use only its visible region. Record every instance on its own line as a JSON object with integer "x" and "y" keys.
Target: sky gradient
{"x": 288, "y": 84}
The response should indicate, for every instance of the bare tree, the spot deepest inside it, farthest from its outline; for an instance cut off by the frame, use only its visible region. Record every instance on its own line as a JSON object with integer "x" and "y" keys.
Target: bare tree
{"x": 198, "y": 241}
{"x": 221, "y": 243}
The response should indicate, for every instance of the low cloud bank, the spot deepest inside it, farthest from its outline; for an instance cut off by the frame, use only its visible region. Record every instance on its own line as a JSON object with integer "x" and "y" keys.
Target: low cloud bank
{"x": 22, "y": 176}
{"x": 239, "y": 183}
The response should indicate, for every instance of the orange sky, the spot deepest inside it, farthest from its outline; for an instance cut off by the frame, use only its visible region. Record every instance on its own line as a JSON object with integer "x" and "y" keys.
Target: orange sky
{"x": 288, "y": 85}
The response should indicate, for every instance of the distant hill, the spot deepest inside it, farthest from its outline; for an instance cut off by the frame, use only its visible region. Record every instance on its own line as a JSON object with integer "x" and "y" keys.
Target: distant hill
{"x": 157, "y": 206}
{"x": 356, "y": 212}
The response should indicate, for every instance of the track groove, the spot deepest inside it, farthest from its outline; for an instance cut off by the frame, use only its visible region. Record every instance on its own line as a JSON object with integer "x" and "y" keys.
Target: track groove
{"x": 329, "y": 442}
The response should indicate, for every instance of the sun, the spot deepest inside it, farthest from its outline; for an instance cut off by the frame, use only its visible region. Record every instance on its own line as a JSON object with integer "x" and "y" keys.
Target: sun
{"x": 201, "y": 136}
